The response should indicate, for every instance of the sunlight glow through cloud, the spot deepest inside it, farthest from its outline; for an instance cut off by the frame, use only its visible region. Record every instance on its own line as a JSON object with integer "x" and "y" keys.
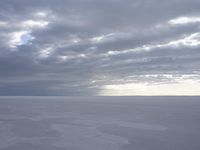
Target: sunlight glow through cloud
{"x": 185, "y": 87}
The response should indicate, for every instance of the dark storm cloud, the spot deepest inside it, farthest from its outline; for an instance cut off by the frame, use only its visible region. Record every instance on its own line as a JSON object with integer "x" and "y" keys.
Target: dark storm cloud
{"x": 55, "y": 47}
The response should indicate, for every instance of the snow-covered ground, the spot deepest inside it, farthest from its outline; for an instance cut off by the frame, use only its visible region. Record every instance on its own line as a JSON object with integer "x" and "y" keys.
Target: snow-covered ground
{"x": 99, "y": 123}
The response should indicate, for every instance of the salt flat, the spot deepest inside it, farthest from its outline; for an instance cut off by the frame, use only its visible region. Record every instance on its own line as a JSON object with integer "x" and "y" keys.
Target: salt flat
{"x": 99, "y": 123}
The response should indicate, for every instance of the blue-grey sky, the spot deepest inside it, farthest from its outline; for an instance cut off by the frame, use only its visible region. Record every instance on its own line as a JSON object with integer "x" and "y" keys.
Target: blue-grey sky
{"x": 99, "y": 47}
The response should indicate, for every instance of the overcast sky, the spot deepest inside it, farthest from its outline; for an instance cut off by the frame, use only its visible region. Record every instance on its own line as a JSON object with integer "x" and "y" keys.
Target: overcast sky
{"x": 99, "y": 47}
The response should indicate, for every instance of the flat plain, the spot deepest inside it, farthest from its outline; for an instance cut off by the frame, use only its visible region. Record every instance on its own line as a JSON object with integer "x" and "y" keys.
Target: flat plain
{"x": 100, "y": 123}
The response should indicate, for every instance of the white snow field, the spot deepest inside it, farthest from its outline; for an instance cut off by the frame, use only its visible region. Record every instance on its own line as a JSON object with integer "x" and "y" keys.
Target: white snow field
{"x": 99, "y": 123}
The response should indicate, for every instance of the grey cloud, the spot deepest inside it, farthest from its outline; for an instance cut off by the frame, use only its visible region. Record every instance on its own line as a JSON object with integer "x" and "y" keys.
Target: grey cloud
{"x": 117, "y": 26}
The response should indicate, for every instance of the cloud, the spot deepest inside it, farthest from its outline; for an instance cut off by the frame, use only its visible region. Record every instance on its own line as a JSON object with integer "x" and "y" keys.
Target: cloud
{"x": 184, "y": 20}
{"x": 19, "y": 38}
{"x": 80, "y": 47}
{"x": 34, "y": 24}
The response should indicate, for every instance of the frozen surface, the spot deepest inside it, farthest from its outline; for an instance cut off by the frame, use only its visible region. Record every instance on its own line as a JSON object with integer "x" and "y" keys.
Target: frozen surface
{"x": 99, "y": 123}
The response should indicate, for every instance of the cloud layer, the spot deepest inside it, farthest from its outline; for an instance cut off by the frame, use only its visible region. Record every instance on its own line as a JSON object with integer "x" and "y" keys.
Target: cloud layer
{"x": 85, "y": 47}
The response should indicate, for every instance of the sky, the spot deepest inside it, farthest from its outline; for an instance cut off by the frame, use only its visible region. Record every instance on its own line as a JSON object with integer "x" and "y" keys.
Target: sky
{"x": 99, "y": 47}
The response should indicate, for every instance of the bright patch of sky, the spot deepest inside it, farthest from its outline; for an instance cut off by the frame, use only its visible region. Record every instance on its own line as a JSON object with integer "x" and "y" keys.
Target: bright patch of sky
{"x": 183, "y": 87}
{"x": 20, "y": 38}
